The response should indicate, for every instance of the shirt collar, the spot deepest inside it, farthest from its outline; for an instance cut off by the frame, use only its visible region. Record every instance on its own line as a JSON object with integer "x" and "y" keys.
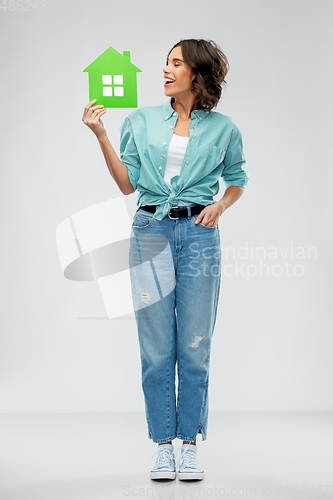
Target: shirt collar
{"x": 169, "y": 111}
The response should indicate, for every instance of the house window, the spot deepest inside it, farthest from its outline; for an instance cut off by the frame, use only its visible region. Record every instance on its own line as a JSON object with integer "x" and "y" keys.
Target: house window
{"x": 113, "y": 88}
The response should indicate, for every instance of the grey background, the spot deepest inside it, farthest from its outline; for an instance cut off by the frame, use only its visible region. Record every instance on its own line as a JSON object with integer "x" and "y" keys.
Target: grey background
{"x": 272, "y": 347}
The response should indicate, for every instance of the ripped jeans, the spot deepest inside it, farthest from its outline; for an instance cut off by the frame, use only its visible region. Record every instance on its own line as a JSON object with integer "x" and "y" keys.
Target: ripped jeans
{"x": 175, "y": 269}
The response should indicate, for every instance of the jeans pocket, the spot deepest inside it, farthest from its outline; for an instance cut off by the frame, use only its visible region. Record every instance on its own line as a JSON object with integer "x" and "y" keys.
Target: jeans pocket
{"x": 142, "y": 219}
{"x": 208, "y": 227}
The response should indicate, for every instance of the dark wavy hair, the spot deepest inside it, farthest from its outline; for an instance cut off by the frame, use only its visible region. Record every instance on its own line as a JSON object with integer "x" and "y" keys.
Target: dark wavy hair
{"x": 209, "y": 65}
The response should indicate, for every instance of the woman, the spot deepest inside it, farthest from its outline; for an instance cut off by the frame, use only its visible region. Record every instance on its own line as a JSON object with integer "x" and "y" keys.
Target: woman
{"x": 174, "y": 155}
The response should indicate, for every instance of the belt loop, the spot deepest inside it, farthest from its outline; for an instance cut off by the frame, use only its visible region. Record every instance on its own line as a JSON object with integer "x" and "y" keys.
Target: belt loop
{"x": 189, "y": 210}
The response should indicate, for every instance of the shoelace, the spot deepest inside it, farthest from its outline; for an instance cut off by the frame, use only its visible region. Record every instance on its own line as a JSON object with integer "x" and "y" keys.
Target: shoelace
{"x": 187, "y": 457}
{"x": 164, "y": 456}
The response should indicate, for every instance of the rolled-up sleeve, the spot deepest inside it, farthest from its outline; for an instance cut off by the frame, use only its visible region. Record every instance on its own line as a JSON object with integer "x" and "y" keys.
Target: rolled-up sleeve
{"x": 128, "y": 152}
{"x": 233, "y": 173}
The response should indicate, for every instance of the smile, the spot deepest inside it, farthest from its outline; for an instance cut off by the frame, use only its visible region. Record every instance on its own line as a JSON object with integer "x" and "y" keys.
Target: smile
{"x": 168, "y": 82}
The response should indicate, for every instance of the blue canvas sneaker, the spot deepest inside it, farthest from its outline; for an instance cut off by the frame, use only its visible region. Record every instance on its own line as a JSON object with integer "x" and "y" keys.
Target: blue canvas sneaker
{"x": 187, "y": 463}
{"x": 164, "y": 467}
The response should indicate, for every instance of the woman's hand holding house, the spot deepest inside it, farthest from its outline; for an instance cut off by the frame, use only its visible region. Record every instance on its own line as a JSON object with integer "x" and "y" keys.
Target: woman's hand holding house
{"x": 92, "y": 118}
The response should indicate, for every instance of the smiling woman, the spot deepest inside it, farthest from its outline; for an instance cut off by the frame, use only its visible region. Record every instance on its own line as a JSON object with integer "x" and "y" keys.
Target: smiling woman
{"x": 200, "y": 64}
{"x": 178, "y": 75}
{"x": 174, "y": 154}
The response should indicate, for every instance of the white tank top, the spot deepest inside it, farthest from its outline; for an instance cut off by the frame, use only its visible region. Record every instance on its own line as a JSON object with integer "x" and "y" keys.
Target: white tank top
{"x": 174, "y": 161}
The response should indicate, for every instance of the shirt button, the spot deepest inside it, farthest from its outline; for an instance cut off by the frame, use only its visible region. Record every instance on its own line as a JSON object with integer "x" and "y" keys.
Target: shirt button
{"x": 187, "y": 163}
{"x": 164, "y": 143}
{"x": 166, "y": 117}
{"x": 160, "y": 168}
{"x": 171, "y": 126}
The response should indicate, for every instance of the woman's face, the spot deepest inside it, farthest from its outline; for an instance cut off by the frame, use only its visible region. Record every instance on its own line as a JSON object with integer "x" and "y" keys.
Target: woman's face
{"x": 180, "y": 74}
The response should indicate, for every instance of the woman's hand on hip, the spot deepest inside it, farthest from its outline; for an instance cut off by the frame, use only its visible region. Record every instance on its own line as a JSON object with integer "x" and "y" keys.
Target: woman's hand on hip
{"x": 92, "y": 118}
{"x": 210, "y": 215}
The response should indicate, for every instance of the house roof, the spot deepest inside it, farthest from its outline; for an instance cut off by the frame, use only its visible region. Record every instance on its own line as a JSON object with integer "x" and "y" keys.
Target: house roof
{"x": 112, "y": 57}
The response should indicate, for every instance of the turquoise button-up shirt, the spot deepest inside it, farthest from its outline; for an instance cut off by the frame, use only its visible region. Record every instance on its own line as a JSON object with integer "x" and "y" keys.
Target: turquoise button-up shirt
{"x": 214, "y": 150}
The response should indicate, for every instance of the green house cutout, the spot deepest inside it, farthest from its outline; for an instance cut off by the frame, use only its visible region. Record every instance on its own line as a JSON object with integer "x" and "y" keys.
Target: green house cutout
{"x": 112, "y": 80}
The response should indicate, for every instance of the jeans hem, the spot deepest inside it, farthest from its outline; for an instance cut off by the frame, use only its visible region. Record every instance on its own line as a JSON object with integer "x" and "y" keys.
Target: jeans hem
{"x": 191, "y": 439}
{"x": 165, "y": 440}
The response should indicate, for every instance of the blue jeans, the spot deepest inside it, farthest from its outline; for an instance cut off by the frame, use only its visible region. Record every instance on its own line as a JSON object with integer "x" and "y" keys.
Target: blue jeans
{"x": 175, "y": 269}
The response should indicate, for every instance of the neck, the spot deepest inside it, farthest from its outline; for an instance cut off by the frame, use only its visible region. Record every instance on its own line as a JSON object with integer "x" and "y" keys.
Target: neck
{"x": 184, "y": 106}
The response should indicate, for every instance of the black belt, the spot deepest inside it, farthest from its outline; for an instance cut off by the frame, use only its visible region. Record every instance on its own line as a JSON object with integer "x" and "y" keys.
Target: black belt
{"x": 176, "y": 213}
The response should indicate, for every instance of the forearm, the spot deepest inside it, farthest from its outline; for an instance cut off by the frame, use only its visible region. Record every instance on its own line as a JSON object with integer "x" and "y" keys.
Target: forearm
{"x": 231, "y": 194}
{"x": 116, "y": 167}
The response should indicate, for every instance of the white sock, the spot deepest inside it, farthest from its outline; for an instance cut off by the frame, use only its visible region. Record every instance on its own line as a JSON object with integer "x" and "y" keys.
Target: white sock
{"x": 165, "y": 445}
{"x": 191, "y": 446}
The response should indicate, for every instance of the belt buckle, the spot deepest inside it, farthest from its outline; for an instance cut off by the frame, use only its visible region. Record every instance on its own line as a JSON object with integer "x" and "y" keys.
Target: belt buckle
{"x": 172, "y": 218}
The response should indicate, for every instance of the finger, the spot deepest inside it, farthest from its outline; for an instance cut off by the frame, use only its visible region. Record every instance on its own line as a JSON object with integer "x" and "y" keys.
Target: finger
{"x": 90, "y": 104}
{"x": 100, "y": 113}
{"x": 97, "y": 106}
{"x": 95, "y": 114}
{"x": 86, "y": 109}
{"x": 92, "y": 112}
{"x": 96, "y": 119}
{"x": 88, "y": 120}
{"x": 199, "y": 218}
